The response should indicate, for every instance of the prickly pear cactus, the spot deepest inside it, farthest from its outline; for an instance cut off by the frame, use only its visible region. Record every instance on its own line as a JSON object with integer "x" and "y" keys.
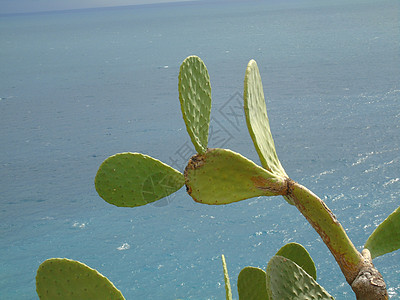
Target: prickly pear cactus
{"x": 222, "y": 176}
{"x": 134, "y": 179}
{"x": 386, "y": 237}
{"x": 63, "y": 279}
{"x": 252, "y": 284}
{"x": 228, "y": 290}
{"x": 195, "y": 97}
{"x": 257, "y": 120}
{"x": 258, "y": 124}
{"x": 286, "y": 280}
{"x": 298, "y": 254}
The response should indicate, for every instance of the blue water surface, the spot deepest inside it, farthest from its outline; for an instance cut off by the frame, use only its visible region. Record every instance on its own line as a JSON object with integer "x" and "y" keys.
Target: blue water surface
{"x": 79, "y": 86}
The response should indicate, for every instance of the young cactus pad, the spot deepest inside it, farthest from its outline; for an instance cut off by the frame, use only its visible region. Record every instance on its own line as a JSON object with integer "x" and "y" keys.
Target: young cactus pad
{"x": 386, "y": 237}
{"x": 286, "y": 280}
{"x": 298, "y": 254}
{"x": 195, "y": 97}
{"x": 257, "y": 120}
{"x": 63, "y": 279}
{"x": 252, "y": 284}
{"x": 134, "y": 179}
{"x": 258, "y": 123}
{"x": 222, "y": 176}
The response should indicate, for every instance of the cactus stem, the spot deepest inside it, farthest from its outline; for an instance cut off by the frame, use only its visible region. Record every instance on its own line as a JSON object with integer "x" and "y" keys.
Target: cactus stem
{"x": 357, "y": 268}
{"x": 369, "y": 283}
{"x": 327, "y": 226}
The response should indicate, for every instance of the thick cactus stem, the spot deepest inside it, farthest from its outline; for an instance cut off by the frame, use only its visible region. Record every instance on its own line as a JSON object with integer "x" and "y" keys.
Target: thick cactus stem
{"x": 325, "y": 223}
{"x": 369, "y": 283}
{"x": 358, "y": 269}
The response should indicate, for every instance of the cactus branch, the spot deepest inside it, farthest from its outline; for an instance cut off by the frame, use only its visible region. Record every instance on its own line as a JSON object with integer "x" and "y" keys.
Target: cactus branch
{"x": 358, "y": 269}
{"x": 325, "y": 223}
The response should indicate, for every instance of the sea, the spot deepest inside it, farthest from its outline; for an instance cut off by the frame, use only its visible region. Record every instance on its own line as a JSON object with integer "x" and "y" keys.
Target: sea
{"x": 79, "y": 86}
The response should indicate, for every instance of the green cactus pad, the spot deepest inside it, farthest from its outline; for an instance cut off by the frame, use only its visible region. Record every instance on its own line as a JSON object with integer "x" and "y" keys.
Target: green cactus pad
{"x": 228, "y": 289}
{"x": 195, "y": 97}
{"x": 252, "y": 284}
{"x": 257, "y": 120}
{"x": 134, "y": 179}
{"x": 61, "y": 278}
{"x": 386, "y": 237}
{"x": 286, "y": 280}
{"x": 222, "y": 176}
{"x": 298, "y": 254}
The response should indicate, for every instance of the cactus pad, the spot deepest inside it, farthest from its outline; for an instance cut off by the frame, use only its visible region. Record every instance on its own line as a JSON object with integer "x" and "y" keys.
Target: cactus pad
{"x": 195, "y": 97}
{"x": 134, "y": 179}
{"x": 222, "y": 176}
{"x": 61, "y": 278}
{"x": 386, "y": 237}
{"x": 257, "y": 120}
{"x": 228, "y": 290}
{"x": 286, "y": 280}
{"x": 252, "y": 284}
{"x": 298, "y": 254}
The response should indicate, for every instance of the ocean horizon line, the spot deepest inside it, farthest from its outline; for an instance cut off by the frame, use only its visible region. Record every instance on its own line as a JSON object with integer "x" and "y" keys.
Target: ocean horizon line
{"x": 102, "y": 8}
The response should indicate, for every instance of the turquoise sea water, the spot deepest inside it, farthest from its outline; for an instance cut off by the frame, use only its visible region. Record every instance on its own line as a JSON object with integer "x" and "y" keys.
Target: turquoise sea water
{"x": 79, "y": 86}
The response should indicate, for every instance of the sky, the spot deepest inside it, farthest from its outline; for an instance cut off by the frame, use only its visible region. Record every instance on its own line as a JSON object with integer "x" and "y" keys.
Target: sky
{"x": 27, "y": 6}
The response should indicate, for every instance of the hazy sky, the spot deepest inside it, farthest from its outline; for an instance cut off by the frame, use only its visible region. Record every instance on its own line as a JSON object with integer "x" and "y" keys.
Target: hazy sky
{"x": 22, "y": 6}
